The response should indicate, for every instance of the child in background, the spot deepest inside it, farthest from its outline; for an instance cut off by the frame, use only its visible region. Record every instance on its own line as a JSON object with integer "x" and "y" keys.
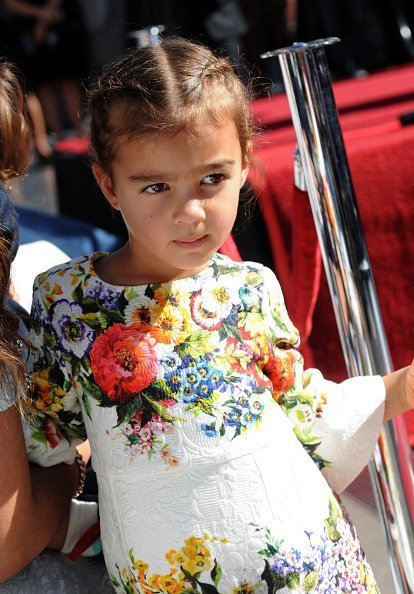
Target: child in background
{"x": 217, "y": 455}
{"x": 35, "y": 503}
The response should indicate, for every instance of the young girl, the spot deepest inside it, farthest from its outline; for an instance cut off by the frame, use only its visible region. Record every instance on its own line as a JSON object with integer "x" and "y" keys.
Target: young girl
{"x": 216, "y": 454}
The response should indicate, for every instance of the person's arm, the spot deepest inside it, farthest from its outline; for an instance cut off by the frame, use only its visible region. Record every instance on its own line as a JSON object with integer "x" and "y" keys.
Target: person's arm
{"x": 26, "y": 9}
{"x": 337, "y": 424}
{"x": 399, "y": 387}
{"x": 34, "y": 501}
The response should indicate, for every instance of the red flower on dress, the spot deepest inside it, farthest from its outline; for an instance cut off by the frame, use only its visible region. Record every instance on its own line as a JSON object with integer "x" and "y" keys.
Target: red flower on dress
{"x": 52, "y": 433}
{"x": 280, "y": 369}
{"x": 123, "y": 362}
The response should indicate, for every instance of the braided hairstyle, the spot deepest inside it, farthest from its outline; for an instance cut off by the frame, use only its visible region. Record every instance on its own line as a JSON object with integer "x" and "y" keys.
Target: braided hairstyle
{"x": 165, "y": 88}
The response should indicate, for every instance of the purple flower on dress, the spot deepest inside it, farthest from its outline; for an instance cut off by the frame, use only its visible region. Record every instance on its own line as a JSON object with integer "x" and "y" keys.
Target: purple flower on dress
{"x": 73, "y": 334}
{"x": 107, "y": 296}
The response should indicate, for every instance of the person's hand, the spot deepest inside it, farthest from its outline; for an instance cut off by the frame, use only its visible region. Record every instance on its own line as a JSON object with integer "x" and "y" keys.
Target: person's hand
{"x": 85, "y": 450}
{"x": 409, "y": 385}
{"x": 399, "y": 387}
{"x": 50, "y": 14}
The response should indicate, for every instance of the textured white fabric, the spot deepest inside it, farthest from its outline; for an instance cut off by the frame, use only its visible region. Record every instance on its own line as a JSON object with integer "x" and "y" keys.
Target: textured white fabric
{"x": 205, "y": 476}
{"x": 82, "y": 515}
{"x": 30, "y": 260}
{"x": 54, "y": 573}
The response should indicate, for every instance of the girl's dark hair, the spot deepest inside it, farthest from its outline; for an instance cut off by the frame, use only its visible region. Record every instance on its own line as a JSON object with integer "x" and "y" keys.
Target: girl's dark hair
{"x": 165, "y": 88}
{"x": 15, "y": 123}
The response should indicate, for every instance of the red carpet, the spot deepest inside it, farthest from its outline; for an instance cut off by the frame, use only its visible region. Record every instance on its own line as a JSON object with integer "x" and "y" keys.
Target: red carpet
{"x": 381, "y": 158}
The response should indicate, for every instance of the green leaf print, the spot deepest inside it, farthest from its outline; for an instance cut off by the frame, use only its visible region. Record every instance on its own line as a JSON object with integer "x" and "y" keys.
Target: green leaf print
{"x": 300, "y": 415}
{"x": 92, "y": 320}
{"x": 331, "y": 521}
{"x": 56, "y": 375}
{"x": 265, "y": 553}
{"x": 216, "y": 573}
{"x": 195, "y": 345}
{"x": 149, "y": 292}
{"x": 254, "y": 279}
{"x": 273, "y": 581}
{"x": 160, "y": 390}
{"x": 86, "y": 405}
{"x": 39, "y": 435}
{"x": 91, "y": 389}
{"x": 127, "y": 410}
{"x": 208, "y": 588}
{"x": 114, "y": 316}
{"x": 113, "y": 579}
{"x": 77, "y": 294}
{"x": 311, "y": 581}
{"x": 159, "y": 409}
{"x": 49, "y": 340}
{"x": 293, "y": 581}
{"x": 231, "y": 330}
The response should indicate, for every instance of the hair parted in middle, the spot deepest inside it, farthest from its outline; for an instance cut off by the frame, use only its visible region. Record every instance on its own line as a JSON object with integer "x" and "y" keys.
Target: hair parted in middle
{"x": 165, "y": 88}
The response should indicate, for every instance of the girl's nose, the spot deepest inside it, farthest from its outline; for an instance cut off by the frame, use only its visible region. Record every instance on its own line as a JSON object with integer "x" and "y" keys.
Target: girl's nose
{"x": 190, "y": 211}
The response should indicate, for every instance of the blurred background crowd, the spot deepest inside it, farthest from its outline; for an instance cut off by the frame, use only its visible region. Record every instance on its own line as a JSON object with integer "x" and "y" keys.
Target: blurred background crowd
{"x": 59, "y": 43}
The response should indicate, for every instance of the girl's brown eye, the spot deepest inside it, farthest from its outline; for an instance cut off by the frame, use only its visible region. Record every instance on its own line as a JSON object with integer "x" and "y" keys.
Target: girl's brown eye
{"x": 155, "y": 188}
{"x": 213, "y": 178}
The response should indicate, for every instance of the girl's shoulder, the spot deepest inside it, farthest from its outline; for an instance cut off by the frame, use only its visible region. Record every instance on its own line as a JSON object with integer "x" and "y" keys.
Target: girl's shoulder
{"x": 223, "y": 262}
{"x": 74, "y": 268}
{"x": 247, "y": 272}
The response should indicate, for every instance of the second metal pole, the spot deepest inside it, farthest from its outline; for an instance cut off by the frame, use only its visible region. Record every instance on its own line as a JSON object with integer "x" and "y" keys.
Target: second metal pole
{"x": 347, "y": 265}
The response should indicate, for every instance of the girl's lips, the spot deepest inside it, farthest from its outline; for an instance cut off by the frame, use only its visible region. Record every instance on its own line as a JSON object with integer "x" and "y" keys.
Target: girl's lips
{"x": 191, "y": 243}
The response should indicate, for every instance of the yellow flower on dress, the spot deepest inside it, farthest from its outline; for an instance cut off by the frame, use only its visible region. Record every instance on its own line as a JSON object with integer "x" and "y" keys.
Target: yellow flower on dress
{"x": 167, "y": 583}
{"x": 140, "y": 566}
{"x": 175, "y": 557}
{"x": 47, "y": 396}
{"x": 237, "y": 356}
{"x": 170, "y": 324}
{"x": 196, "y": 556}
{"x": 252, "y": 323}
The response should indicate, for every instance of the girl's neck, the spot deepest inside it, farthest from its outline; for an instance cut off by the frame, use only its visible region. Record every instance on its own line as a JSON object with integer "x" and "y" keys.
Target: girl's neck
{"x": 119, "y": 269}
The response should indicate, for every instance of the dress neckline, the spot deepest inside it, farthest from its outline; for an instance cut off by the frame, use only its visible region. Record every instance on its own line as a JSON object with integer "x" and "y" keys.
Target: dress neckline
{"x": 199, "y": 275}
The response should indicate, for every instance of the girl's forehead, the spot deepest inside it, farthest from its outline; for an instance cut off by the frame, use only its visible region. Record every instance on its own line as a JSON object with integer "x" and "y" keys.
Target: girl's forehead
{"x": 194, "y": 133}
{"x": 182, "y": 154}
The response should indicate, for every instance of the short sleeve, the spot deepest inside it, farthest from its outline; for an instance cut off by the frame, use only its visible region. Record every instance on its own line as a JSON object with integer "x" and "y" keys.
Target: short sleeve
{"x": 337, "y": 424}
{"x": 55, "y": 424}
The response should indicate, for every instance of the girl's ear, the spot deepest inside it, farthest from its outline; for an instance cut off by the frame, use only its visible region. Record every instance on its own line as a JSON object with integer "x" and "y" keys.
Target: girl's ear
{"x": 246, "y": 163}
{"x": 105, "y": 182}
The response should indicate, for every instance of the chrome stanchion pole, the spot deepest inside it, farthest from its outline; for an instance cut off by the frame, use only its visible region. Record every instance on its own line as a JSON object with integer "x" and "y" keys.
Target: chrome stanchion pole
{"x": 351, "y": 284}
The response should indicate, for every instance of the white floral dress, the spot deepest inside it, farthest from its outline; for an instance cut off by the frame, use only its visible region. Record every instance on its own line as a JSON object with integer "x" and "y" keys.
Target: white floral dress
{"x": 215, "y": 452}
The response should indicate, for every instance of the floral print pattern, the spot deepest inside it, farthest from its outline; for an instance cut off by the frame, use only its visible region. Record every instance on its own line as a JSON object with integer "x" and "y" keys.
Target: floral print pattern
{"x": 158, "y": 355}
{"x": 332, "y": 563}
{"x": 181, "y": 387}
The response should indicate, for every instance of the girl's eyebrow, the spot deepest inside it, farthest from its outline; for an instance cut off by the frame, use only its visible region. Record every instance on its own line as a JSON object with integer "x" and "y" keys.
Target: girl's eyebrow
{"x": 156, "y": 175}
{"x": 224, "y": 164}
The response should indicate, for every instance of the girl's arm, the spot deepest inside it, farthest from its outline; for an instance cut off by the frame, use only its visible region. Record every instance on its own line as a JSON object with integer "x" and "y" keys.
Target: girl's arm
{"x": 34, "y": 501}
{"x": 399, "y": 387}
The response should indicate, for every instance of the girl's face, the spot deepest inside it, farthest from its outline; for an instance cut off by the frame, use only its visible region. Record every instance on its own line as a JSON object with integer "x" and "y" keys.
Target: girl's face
{"x": 178, "y": 195}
